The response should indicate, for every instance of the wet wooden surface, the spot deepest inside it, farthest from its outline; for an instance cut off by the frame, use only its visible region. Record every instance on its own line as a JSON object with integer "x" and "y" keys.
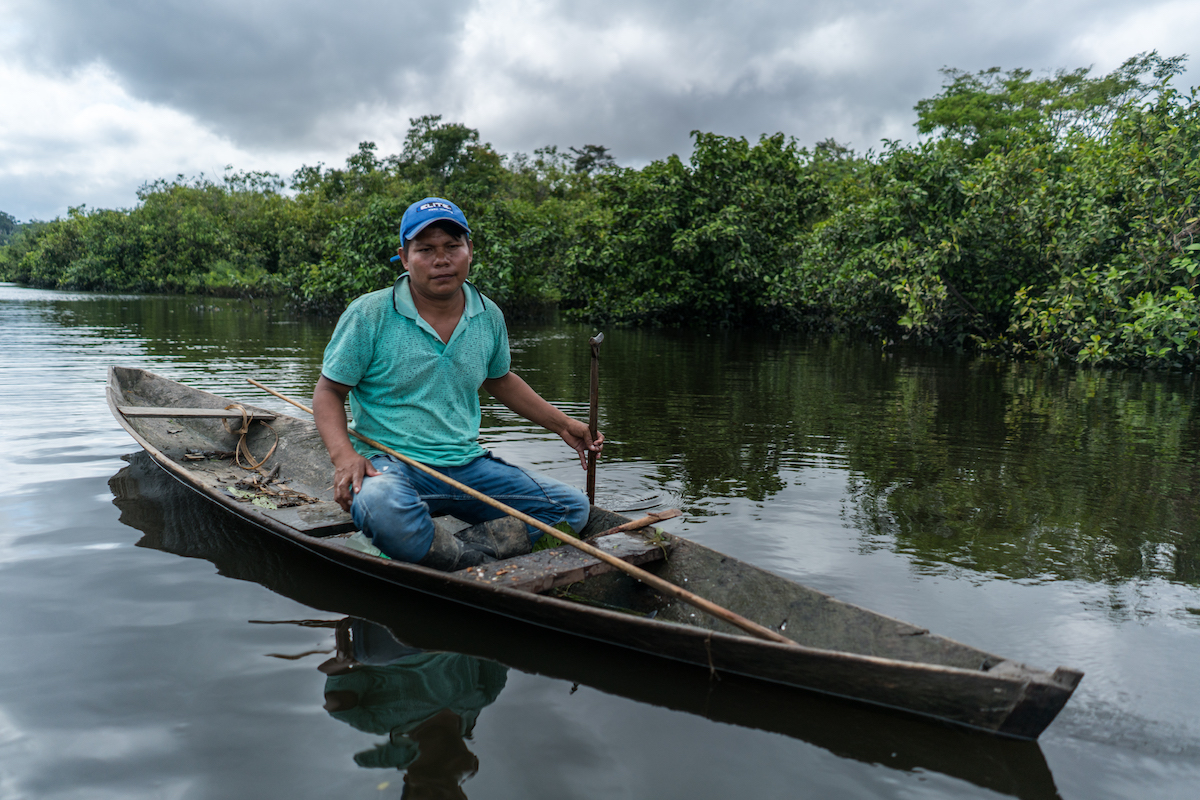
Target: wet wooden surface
{"x": 559, "y": 566}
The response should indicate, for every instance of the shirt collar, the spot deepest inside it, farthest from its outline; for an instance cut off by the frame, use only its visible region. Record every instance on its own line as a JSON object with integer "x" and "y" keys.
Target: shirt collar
{"x": 402, "y": 300}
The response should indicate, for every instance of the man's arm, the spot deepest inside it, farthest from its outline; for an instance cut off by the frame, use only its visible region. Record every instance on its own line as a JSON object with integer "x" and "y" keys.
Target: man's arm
{"x": 349, "y": 468}
{"x": 519, "y": 397}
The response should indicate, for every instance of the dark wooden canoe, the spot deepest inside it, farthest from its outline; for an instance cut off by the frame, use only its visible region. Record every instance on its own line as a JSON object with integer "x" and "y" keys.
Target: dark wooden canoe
{"x": 845, "y": 651}
{"x": 174, "y": 519}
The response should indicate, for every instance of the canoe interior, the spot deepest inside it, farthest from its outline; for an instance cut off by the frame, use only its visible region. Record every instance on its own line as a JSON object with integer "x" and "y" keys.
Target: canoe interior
{"x": 848, "y": 651}
{"x": 299, "y": 454}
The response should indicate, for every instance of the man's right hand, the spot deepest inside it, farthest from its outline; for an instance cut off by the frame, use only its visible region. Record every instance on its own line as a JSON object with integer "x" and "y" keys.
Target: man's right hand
{"x": 349, "y": 468}
{"x": 348, "y": 475}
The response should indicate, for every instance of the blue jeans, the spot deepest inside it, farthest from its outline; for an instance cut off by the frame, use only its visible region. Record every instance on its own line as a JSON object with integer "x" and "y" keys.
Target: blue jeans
{"x": 396, "y": 509}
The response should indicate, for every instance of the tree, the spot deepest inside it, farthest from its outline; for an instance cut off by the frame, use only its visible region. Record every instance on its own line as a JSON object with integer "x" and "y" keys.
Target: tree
{"x": 992, "y": 109}
{"x": 364, "y": 160}
{"x": 696, "y": 243}
{"x": 593, "y": 158}
{"x": 435, "y": 149}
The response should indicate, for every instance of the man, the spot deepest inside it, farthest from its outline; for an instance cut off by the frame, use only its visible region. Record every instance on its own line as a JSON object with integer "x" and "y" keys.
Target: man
{"x": 411, "y": 359}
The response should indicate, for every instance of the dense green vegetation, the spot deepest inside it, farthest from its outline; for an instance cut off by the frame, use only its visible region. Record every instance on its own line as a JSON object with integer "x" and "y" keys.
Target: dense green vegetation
{"x": 1050, "y": 216}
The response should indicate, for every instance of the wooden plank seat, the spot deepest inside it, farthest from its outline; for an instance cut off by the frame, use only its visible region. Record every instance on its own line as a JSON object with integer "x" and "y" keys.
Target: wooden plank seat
{"x": 192, "y": 413}
{"x": 321, "y": 519}
{"x": 544, "y": 570}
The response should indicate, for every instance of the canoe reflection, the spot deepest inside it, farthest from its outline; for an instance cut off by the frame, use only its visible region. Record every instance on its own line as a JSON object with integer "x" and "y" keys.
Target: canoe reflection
{"x": 425, "y": 703}
{"x": 176, "y": 520}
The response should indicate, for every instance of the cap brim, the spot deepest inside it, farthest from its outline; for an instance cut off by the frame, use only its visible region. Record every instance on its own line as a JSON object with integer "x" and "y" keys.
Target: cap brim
{"x": 417, "y": 232}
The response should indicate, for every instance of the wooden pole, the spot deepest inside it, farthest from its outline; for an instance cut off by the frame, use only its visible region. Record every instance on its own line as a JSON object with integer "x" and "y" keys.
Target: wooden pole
{"x": 594, "y": 415}
{"x": 650, "y": 579}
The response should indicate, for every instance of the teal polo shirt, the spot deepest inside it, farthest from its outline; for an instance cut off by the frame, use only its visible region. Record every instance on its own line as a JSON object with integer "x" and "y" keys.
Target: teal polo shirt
{"x": 410, "y": 390}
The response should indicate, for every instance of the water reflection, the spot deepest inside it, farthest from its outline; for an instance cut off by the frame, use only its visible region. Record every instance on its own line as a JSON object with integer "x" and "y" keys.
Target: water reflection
{"x": 1043, "y": 512}
{"x": 1003, "y": 470}
{"x": 426, "y": 704}
{"x": 461, "y": 678}
{"x": 1008, "y": 470}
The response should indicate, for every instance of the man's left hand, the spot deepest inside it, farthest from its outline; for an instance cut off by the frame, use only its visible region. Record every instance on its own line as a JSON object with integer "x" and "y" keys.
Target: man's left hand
{"x": 579, "y": 438}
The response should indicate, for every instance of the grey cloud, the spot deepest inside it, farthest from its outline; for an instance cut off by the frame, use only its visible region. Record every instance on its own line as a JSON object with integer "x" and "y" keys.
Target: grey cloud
{"x": 906, "y": 45}
{"x": 288, "y": 77}
{"x": 261, "y": 72}
{"x": 268, "y": 72}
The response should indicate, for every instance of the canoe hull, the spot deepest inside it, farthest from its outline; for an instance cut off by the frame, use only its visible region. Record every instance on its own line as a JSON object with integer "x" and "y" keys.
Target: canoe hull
{"x": 174, "y": 519}
{"x": 844, "y": 651}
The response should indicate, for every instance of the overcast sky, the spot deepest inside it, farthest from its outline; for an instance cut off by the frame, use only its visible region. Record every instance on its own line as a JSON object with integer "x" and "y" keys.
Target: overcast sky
{"x": 100, "y": 96}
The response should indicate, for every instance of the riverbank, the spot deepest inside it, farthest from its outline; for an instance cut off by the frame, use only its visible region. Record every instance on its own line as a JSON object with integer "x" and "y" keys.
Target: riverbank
{"x": 1060, "y": 225}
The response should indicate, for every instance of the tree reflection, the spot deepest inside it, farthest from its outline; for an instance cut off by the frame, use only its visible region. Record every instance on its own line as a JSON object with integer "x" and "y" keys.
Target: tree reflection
{"x": 1015, "y": 469}
{"x": 1023, "y": 471}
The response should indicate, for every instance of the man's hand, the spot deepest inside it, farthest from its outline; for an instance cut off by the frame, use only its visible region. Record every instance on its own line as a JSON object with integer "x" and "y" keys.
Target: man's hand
{"x": 578, "y": 436}
{"x": 348, "y": 474}
{"x": 349, "y": 468}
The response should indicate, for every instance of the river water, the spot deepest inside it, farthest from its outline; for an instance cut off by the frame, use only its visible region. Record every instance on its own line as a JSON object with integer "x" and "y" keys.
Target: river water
{"x": 152, "y": 647}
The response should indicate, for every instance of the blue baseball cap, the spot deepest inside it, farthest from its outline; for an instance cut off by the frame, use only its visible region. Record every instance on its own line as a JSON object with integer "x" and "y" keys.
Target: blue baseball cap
{"x": 421, "y": 214}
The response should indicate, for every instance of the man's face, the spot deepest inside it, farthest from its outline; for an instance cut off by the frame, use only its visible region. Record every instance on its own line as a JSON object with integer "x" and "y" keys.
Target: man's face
{"x": 437, "y": 264}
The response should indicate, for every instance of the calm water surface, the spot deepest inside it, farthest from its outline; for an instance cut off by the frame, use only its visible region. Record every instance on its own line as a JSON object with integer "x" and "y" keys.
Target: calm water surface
{"x": 1046, "y": 514}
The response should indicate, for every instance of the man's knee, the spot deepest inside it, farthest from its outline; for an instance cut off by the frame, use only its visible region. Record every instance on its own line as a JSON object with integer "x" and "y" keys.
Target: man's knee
{"x": 393, "y": 517}
{"x": 380, "y": 497}
{"x": 578, "y": 509}
{"x": 571, "y": 502}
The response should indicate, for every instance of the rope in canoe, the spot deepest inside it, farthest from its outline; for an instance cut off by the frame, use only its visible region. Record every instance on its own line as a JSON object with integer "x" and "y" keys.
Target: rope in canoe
{"x": 256, "y": 489}
{"x": 243, "y": 448}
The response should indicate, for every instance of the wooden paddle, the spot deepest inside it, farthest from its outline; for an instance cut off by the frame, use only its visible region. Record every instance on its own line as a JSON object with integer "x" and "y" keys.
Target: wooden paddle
{"x": 666, "y": 587}
{"x": 593, "y": 415}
